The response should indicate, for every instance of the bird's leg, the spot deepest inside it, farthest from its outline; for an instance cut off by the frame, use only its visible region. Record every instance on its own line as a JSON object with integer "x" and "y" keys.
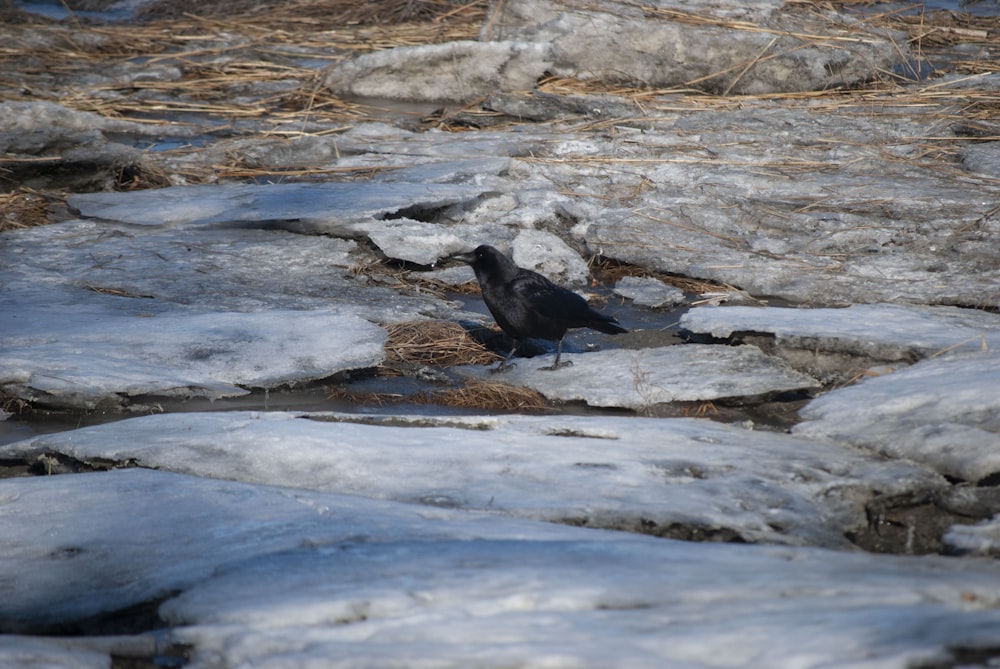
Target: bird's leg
{"x": 556, "y": 365}
{"x": 505, "y": 364}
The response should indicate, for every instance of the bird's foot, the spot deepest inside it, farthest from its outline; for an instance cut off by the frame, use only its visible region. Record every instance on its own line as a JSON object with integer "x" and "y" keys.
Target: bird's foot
{"x": 557, "y": 365}
{"x": 503, "y": 367}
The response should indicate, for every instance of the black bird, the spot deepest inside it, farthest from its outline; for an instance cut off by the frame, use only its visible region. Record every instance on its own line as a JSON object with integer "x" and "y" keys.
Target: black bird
{"x": 526, "y": 305}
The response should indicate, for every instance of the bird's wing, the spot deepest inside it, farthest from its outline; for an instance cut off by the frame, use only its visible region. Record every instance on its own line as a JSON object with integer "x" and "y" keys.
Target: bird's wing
{"x": 547, "y": 298}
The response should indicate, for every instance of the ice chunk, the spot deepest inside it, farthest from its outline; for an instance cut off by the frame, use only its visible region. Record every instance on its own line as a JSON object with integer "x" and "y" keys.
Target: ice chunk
{"x": 943, "y": 412}
{"x": 315, "y": 202}
{"x": 676, "y": 477}
{"x": 70, "y": 358}
{"x": 649, "y": 292}
{"x": 879, "y": 331}
{"x": 638, "y": 379}
{"x": 280, "y": 577}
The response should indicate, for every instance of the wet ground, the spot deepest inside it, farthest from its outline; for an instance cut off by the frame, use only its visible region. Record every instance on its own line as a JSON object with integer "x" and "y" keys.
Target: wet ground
{"x": 412, "y": 389}
{"x": 898, "y": 524}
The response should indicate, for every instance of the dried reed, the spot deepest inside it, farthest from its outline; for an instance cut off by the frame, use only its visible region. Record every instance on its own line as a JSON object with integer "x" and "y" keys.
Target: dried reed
{"x": 611, "y": 272}
{"x": 474, "y": 394}
{"x": 490, "y": 396}
{"x": 433, "y": 342}
{"x": 23, "y": 208}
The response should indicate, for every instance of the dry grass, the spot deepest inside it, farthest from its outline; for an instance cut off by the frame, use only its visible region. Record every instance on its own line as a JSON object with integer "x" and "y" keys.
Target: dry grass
{"x": 224, "y": 50}
{"x": 610, "y": 271}
{"x": 443, "y": 344}
{"x": 477, "y": 394}
{"x": 23, "y": 208}
{"x": 489, "y": 395}
{"x": 438, "y": 343}
{"x": 310, "y": 15}
{"x": 944, "y": 28}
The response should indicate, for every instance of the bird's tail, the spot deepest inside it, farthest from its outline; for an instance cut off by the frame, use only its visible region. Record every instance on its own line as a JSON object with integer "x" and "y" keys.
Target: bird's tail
{"x": 606, "y": 324}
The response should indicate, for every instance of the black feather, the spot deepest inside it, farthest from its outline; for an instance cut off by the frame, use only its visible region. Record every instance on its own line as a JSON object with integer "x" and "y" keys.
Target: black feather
{"x": 526, "y": 305}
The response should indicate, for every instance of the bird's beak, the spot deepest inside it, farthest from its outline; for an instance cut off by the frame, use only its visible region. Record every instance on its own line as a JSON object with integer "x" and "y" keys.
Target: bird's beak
{"x": 469, "y": 257}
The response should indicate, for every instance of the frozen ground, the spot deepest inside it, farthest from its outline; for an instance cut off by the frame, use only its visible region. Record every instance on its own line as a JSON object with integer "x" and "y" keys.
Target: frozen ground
{"x": 640, "y": 379}
{"x": 209, "y": 355}
{"x": 373, "y": 539}
{"x": 941, "y": 410}
{"x": 885, "y": 332}
{"x": 671, "y": 477}
{"x": 282, "y": 577}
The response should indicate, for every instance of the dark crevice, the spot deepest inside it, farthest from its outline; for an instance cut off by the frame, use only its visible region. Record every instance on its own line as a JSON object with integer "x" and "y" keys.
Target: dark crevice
{"x": 914, "y": 524}
{"x": 134, "y": 619}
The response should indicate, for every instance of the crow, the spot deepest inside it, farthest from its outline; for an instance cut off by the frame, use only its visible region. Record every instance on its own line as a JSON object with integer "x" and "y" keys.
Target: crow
{"x": 526, "y": 305}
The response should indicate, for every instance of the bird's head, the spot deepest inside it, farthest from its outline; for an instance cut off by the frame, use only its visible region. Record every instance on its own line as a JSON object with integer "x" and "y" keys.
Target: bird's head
{"x": 487, "y": 261}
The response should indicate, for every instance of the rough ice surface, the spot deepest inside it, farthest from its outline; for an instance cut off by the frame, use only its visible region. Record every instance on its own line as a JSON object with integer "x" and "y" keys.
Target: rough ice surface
{"x": 310, "y": 202}
{"x": 73, "y": 653}
{"x": 639, "y": 379}
{"x": 982, "y": 538}
{"x": 880, "y": 331}
{"x": 982, "y": 158}
{"x": 140, "y": 270}
{"x": 810, "y": 246}
{"x": 546, "y": 253}
{"x": 203, "y": 310}
{"x": 415, "y": 242}
{"x": 308, "y": 578}
{"x": 943, "y": 412}
{"x": 650, "y": 475}
{"x": 26, "y": 117}
{"x": 614, "y": 42}
{"x": 284, "y": 540}
{"x": 649, "y": 292}
{"x": 454, "y": 71}
{"x": 191, "y": 355}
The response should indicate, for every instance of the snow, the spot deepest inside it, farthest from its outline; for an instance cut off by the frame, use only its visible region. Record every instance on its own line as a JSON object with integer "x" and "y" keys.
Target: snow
{"x": 639, "y": 379}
